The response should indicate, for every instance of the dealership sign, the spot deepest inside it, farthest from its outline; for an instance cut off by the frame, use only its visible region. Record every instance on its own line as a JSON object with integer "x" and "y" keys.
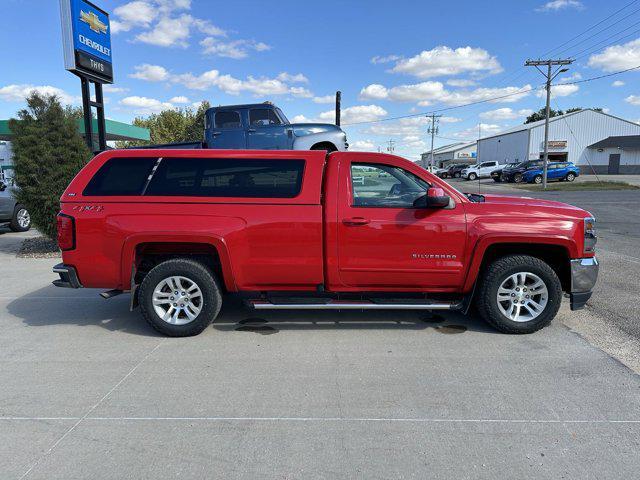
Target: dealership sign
{"x": 86, "y": 37}
{"x": 556, "y": 145}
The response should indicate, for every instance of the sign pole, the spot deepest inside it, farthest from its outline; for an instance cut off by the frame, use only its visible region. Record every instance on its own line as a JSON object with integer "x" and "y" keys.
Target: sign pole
{"x": 86, "y": 108}
{"x": 99, "y": 104}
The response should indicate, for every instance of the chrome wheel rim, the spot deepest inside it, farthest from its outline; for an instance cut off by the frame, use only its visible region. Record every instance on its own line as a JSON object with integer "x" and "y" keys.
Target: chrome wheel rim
{"x": 522, "y": 297}
{"x": 23, "y": 218}
{"x": 177, "y": 300}
{"x": 570, "y": 177}
{"x": 538, "y": 179}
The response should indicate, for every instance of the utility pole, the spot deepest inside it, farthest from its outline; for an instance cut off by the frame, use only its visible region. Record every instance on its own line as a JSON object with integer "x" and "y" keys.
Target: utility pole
{"x": 550, "y": 77}
{"x": 433, "y": 130}
{"x": 392, "y": 146}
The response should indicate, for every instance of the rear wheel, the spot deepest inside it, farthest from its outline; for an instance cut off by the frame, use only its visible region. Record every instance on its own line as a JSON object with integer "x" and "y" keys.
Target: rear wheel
{"x": 21, "y": 220}
{"x": 456, "y": 175}
{"x": 472, "y": 176}
{"x": 519, "y": 294}
{"x": 570, "y": 177}
{"x": 180, "y": 297}
{"x": 537, "y": 179}
{"x": 326, "y": 146}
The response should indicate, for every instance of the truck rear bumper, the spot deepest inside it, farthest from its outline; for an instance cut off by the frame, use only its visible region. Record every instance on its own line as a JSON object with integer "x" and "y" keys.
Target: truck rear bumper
{"x": 68, "y": 276}
{"x": 584, "y": 274}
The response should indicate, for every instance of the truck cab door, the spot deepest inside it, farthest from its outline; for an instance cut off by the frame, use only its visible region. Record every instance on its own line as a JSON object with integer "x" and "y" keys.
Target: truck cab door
{"x": 267, "y": 131}
{"x": 384, "y": 242}
{"x": 6, "y": 201}
{"x": 226, "y": 130}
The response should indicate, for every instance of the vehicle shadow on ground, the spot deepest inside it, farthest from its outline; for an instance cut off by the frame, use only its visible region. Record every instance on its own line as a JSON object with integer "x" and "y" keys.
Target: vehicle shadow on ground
{"x": 84, "y": 308}
{"x": 236, "y": 317}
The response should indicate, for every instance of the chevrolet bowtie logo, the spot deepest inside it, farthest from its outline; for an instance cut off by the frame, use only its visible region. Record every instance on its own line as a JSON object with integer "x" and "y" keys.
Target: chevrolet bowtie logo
{"x": 93, "y": 21}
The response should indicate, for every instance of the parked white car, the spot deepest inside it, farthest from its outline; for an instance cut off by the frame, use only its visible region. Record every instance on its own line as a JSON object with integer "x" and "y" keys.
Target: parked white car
{"x": 479, "y": 170}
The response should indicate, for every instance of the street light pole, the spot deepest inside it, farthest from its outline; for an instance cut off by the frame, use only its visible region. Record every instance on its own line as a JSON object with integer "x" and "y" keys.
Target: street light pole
{"x": 549, "y": 78}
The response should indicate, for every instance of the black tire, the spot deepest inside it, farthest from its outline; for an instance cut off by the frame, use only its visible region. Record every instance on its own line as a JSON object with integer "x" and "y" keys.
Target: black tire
{"x": 497, "y": 272}
{"x": 472, "y": 176}
{"x": 193, "y": 271}
{"x": 537, "y": 179}
{"x": 496, "y": 179}
{"x": 456, "y": 175}
{"x": 14, "y": 225}
{"x": 327, "y": 147}
{"x": 570, "y": 177}
{"x": 517, "y": 178}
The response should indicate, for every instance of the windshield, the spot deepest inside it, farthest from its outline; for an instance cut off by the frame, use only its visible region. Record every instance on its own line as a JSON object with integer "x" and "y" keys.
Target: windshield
{"x": 284, "y": 119}
{"x": 522, "y": 164}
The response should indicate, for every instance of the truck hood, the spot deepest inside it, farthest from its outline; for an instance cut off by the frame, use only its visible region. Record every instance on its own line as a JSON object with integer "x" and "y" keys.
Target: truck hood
{"x": 302, "y": 129}
{"x": 530, "y": 202}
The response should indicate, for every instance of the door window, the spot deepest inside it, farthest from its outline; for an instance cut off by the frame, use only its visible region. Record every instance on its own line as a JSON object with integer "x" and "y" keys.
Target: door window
{"x": 377, "y": 185}
{"x": 228, "y": 119}
{"x": 262, "y": 117}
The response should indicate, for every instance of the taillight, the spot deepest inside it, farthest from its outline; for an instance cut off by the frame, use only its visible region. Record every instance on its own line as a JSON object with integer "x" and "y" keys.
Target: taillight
{"x": 66, "y": 232}
{"x": 590, "y": 238}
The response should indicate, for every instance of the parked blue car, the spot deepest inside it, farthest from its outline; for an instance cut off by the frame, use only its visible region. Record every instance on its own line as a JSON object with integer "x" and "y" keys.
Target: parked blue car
{"x": 560, "y": 171}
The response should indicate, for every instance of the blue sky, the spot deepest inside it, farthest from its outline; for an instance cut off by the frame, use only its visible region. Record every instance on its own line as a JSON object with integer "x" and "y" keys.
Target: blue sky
{"x": 388, "y": 58}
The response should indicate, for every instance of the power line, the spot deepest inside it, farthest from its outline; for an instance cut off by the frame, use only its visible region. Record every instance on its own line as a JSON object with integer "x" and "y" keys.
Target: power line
{"x": 590, "y": 28}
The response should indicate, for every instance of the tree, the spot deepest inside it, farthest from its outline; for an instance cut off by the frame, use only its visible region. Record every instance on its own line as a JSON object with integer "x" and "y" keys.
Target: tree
{"x": 540, "y": 114}
{"x": 172, "y": 125}
{"x": 48, "y": 152}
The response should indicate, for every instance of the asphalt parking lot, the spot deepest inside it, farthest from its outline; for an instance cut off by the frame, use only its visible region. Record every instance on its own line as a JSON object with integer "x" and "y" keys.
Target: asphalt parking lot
{"x": 89, "y": 390}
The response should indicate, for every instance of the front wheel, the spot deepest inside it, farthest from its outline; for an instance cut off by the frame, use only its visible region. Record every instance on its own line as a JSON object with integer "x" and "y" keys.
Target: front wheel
{"x": 570, "y": 177}
{"x": 472, "y": 176}
{"x": 519, "y": 294}
{"x": 180, "y": 297}
{"x": 21, "y": 220}
{"x": 456, "y": 175}
{"x": 496, "y": 179}
{"x": 537, "y": 179}
{"x": 517, "y": 178}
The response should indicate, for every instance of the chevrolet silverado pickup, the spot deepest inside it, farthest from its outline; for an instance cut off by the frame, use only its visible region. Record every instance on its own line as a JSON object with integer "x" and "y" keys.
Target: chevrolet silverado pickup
{"x": 182, "y": 229}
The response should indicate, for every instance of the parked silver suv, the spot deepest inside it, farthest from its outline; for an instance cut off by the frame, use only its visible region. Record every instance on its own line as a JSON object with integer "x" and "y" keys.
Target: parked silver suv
{"x": 11, "y": 212}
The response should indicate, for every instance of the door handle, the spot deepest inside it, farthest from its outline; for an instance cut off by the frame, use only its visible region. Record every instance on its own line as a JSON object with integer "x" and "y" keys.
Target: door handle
{"x": 215, "y": 134}
{"x": 251, "y": 130}
{"x": 355, "y": 221}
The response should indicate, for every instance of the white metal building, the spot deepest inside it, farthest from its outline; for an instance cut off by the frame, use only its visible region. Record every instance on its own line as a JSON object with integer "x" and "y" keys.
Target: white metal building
{"x": 454, "y": 153}
{"x": 570, "y": 137}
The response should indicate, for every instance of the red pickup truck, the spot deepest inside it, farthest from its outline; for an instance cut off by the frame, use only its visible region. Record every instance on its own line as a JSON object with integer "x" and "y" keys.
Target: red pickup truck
{"x": 180, "y": 229}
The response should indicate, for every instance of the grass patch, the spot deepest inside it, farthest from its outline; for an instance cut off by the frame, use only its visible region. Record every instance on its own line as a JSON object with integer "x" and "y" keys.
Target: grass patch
{"x": 578, "y": 186}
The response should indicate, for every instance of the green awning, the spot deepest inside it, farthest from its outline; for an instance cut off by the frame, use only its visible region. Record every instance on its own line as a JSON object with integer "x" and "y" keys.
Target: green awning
{"x": 115, "y": 130}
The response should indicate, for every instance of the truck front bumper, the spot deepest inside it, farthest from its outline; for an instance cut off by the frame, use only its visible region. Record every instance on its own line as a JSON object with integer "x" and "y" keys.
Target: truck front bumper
{"x": 584, "y": 273}
{"x": 68, "y": 276}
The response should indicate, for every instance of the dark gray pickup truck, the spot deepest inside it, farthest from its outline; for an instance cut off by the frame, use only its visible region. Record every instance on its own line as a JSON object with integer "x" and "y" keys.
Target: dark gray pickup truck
{"x": 11, "y": 212}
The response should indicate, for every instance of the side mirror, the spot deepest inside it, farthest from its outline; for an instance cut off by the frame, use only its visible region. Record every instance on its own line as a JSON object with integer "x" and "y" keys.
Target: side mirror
{"x": 3, "y": 186}
{"x": 435, "y": 198}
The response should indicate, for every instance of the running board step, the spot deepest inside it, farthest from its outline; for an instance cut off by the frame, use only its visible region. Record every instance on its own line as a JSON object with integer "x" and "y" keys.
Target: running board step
{"x": 352, "y": 305}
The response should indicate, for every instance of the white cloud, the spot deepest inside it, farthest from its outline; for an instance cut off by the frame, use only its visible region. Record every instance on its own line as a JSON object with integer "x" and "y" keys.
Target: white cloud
{"x": 234, "y": 86}
{"x": 297, "y": 78}
{"x": 133, "y": 14}
{"x": 461, "y": 82}
{"x": 234, "y": 49}
{"x": 556, "y": 5}
{"x": 632, "y": 99}
{"x": 362, "y": 146}
{"x": 443, "y": 60}
{"x": 113, "y": 89}
{"x": 426, "y": 93}
{"x": 558, "y": 91}
{"x": 402, "y": 127}
{"x": 168, "y": 32}
{"x": 17, "y": 93}
{"x": 324, "y": 99}
{"x": 150, "y": 73}
{"x": 145, "y": 105}
{"x": 505, "y": 114}
{"x": 385, "y": 59}
{"x": 181, "y": 99}
{"x": 358, "y": 113}
{"x": 617, "y": 57}
{"x": 300, "y": 92}
{"x": 618, "y": 83}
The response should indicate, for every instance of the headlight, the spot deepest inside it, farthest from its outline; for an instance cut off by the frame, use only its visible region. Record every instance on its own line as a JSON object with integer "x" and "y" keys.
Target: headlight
{"x": 590, "y": 238}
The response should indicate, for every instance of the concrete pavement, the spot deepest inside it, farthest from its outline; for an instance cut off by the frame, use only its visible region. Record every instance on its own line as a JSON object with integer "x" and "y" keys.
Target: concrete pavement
{"x": 90, "y": 391}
